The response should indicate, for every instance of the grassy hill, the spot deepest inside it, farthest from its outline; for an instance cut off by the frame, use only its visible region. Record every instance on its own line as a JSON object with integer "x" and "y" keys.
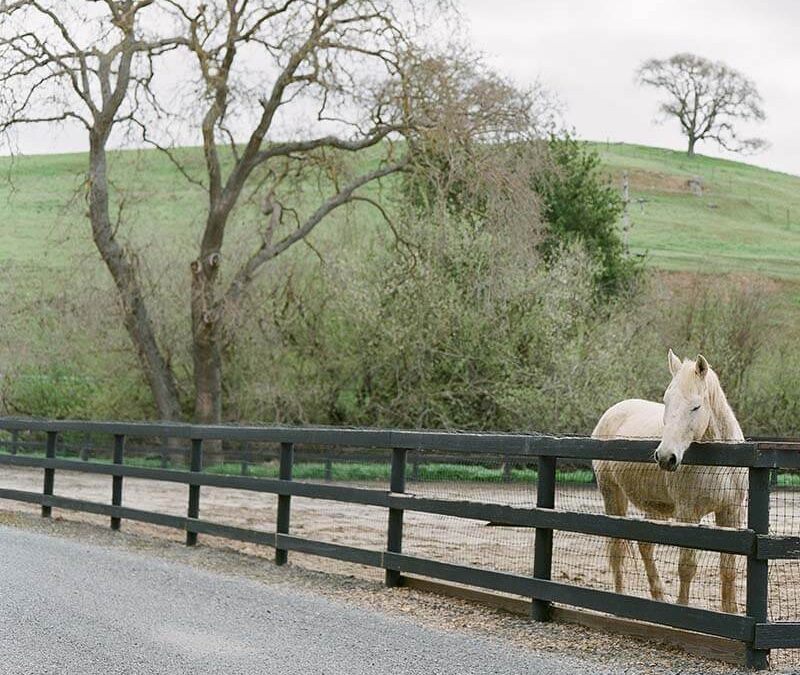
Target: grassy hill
{"x": 747, "y": 219}
{"x": 745, "y": 222}
{"x": 61, "y": 340}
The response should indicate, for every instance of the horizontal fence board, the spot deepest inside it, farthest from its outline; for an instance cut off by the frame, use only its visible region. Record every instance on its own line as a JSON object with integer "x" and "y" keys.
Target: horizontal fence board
{"x": 327, "y": 550}
{"x": 229, "y": 532}
{"x": 718, "y": 454}
{"x": 672, "y": 534}
{"x": 21, "y": 496}
{"x": 341, "y": 493}
{"x": 97, "y": 508}
{"x": 679, "y": 616}
{"x": 775, "y": 547}
{"x": 779, "y": 455}
{"x": 780, "y": 635}
{"x": 163, "y": 519}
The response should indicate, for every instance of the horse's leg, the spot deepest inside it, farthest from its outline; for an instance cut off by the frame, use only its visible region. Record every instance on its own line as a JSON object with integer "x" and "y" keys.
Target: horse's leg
{"x": 728, "y": 517}
{"x": 687, "y": 564}
{"x": 653, "y": 578}
{"x": 616, "y": 504}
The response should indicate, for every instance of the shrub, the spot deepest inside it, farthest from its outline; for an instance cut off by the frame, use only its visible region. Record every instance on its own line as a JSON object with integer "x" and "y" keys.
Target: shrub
{"x": 578, "y": 204}
{"x": 49, "y": 391}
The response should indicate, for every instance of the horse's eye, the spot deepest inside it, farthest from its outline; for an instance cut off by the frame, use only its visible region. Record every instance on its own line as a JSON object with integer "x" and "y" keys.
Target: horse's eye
{"x": 696, "y": 408}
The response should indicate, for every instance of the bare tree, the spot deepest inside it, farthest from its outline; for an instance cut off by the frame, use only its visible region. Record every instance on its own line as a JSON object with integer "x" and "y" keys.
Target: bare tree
{"x": 327, "y": 61}
{"x": 302, "y": 107}
{"x": 707, "y": 98}
{"x": 91, "y": 66}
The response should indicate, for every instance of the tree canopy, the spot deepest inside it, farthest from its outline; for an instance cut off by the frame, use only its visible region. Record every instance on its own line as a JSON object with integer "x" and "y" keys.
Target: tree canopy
{"x": 708, "y": 98}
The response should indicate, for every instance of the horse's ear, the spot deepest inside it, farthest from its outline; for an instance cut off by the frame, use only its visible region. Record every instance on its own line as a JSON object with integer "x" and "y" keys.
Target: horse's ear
{"x": 674, "y": 363}
{"x": 701, "y": 368}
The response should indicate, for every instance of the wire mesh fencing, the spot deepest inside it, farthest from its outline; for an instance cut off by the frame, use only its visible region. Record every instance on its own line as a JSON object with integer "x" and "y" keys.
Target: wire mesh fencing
{"x": 505, "y": 480}
{"x": 784, "y": 575}
{"x": 693, "y": 494}
{"x": 341, "y": 523}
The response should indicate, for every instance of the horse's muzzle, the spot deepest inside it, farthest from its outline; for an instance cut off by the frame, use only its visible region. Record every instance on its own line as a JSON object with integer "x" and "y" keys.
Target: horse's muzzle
{"x": 668, "y": 463}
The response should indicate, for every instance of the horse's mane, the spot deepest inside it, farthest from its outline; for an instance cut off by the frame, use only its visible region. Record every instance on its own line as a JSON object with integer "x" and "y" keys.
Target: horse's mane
{"x": 723, "y": 425}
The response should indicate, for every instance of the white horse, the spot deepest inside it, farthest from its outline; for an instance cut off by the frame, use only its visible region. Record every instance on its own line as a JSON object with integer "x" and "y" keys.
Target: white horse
{"x": 694, "y": 409}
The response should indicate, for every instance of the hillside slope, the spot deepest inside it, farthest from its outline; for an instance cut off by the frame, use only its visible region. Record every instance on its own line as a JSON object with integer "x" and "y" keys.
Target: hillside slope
{"x": 747, "y": 219}
{"x": 745, "y": 222}
{"x": 64, "y": 352}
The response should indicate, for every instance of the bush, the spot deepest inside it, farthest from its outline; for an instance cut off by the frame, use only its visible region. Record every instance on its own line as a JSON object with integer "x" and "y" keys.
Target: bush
{"x": 67, "y": 355}
{"x": 51, "y": 391}
{"x": 475, "y": 334}
{"x": 759, "y": 368}
{"x": 578, "y": 204}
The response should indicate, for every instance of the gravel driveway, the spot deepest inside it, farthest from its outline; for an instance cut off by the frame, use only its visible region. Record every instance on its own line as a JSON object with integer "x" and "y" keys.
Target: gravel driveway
{"x": 71, "y": 607}
{"x": 78, "y": 598}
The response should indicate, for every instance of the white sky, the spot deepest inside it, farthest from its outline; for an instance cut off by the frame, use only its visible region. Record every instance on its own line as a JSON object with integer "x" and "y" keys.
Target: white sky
{"x": 586, "y": 51}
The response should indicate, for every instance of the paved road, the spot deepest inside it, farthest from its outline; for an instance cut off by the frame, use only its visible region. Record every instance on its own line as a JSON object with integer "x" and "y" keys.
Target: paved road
{"x": 80, "y": 609}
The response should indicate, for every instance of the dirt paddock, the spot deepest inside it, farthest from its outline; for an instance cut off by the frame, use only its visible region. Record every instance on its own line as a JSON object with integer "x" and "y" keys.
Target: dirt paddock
{"x": 578, "y": 559}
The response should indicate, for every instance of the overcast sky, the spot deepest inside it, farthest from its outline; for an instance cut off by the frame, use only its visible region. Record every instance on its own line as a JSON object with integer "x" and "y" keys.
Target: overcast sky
{"x": 586, "y": 51}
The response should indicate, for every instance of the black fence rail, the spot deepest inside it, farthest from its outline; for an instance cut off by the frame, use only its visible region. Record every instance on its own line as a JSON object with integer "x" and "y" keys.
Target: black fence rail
{"x": 250, "y": 454}
{"x": 755, "y": 542}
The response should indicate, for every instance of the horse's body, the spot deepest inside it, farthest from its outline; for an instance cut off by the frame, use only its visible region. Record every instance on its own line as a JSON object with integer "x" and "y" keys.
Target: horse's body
{"x": 695, "y": 409}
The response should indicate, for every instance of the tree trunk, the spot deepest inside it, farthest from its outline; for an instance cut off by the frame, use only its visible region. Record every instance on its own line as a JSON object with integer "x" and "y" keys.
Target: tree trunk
{"x": 207, "y": 375}
{"x": 135, "y": 315}
{"x": 692, "y": 141}
{"x": 206, "y": 353}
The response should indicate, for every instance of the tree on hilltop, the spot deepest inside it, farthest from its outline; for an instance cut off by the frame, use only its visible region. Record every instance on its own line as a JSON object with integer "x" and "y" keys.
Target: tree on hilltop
{"x": 707, "y": 98}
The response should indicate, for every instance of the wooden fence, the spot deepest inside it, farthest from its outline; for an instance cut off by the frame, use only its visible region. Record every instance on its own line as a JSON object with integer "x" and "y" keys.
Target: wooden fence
{"x": 248, "y": 455}
{"x": 755, "y": 542}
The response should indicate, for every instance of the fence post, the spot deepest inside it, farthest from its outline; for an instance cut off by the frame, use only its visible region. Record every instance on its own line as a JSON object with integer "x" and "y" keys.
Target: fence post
{"x": 507, "y": 469}
{"x": 87, "y": 442}
{"x": 195, "y": 464}
{"x": 14, "y": 441}
{"x": 49, "y": 474}
{"x": 394, "y": 539}
{"x": 284, "y": 502}
{"x": 757, "y": 570}
{"x": 244, "y": 456}
{"x": 543, "y": 542}
{"x": 116, "y": 481}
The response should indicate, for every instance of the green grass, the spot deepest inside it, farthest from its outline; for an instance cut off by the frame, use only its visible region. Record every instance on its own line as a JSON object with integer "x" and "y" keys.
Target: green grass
{"x": 746, "y": 221}
{"x": 788, "y": 480}
{"x": 44, "y": 225}
{"x": 356, "y": 471}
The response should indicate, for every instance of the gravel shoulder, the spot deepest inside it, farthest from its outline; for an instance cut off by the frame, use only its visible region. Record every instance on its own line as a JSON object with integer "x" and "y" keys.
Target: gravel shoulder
{"x": 457, "y": 625}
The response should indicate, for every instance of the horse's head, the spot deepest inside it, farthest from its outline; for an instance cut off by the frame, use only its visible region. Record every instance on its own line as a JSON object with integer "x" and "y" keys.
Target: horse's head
{"x": 687, "y": 410}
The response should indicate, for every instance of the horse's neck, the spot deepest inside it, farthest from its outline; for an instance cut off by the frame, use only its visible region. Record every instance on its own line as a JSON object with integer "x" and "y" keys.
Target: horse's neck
{"x": 723, "y": 425}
